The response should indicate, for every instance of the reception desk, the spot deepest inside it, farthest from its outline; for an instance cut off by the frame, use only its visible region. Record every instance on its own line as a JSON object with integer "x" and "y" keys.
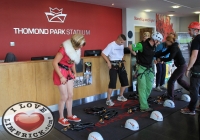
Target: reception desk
{"x": 32, "y": 81}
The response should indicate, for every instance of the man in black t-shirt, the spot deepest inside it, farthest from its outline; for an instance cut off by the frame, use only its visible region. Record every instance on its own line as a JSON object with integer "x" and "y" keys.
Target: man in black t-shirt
{"x": 193, "y": 68}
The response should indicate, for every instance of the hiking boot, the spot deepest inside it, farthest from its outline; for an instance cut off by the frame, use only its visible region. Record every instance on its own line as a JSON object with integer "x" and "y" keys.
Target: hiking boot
{"x": 147, "y": 110}
{"x": 158, "y": 89}
{"x": 109, "y": 103}
{"x": 121, "y": 98}
{"x": 187, "y": 111}
{"x": 74, "y": 118}
{"x": 63, "y": 122}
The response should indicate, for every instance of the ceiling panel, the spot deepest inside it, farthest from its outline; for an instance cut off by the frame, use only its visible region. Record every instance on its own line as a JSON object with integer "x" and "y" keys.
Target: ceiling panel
{"x": 186, "y": 3}
{"x": 188, "y": 7}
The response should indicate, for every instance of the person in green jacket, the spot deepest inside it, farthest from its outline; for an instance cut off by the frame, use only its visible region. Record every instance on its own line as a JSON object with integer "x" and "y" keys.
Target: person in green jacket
{"x": 144, "y": 70}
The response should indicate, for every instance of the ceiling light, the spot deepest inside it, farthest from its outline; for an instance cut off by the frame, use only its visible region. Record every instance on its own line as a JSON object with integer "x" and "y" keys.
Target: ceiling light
{"x": 113, "y": 4}
{"x": 197, "y": 12}
{"x": 147, "y": 10}
{"x": 171, "y": 15}
{"x": 175, "y": 6}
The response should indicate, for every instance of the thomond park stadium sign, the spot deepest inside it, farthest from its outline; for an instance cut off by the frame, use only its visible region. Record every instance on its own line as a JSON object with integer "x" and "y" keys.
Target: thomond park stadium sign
{"x": 50, "y": 31}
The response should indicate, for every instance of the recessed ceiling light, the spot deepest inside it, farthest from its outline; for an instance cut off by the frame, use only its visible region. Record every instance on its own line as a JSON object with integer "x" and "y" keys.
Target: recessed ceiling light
{"x": 197, "y": 12}
{"x": 147, "y": 10}
{"x": 171, "y": 15}
{"x": 175, "y": 6}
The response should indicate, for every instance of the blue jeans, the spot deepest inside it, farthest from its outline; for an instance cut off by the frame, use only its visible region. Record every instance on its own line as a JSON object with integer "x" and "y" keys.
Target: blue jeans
{"x": 177, "y": 75}
{"x": 194, "y": 91}
{"x": 160, "y": 75}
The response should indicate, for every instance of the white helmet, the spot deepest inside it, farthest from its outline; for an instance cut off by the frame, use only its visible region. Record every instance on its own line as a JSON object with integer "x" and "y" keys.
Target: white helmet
{"x": 157, "y": 36}
{"x": 185, "y": 98}
{"x": 169, "y": 103}
{"x": 156, "y": 115}
{"x": 95, "y": 136}
{"x": 132, "y": 124}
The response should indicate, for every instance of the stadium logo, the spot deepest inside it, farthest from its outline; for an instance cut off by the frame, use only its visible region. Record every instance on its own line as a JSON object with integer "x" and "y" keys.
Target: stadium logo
{"x": 55, "y": 15}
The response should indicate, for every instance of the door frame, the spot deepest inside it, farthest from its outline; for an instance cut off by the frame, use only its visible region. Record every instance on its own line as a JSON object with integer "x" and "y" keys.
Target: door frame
{"x": 154, "y": 29}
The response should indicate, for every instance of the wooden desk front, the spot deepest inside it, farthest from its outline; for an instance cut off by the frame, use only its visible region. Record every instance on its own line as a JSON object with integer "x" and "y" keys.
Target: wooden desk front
{"x": 32, "y": 81}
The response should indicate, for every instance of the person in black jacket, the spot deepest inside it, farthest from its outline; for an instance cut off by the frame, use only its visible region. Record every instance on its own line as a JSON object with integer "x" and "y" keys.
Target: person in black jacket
{"x": 179, "y": 61}
{"x": 193, "y": 68}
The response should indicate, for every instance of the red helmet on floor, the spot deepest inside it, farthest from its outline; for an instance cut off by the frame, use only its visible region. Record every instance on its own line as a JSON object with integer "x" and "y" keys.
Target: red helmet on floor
{"x": 194, "y": 25}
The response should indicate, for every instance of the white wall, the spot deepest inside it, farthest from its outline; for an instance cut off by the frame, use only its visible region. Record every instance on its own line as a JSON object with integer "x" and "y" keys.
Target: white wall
{"x": 132, "y": 18}
{"x": 175, "y": 21}
{"x": 185, "y": 21}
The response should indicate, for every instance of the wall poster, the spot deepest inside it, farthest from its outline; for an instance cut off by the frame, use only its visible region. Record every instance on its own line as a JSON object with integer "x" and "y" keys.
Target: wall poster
{"x": 86, "y": 79}
{"x": 88, "y": 73}
{"x": 184, "y": 40}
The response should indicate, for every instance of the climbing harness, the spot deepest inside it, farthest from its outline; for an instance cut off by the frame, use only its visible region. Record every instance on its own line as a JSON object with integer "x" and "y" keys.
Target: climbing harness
{"x": 108, "y": 115}
{"x": 95, "y": 110}
{"x": 78, "y": 126}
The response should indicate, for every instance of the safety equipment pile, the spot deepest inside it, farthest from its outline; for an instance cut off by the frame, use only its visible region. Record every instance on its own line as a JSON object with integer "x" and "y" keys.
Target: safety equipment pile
{"x": 78, "y": 126}
{"x": 102, "y": 112}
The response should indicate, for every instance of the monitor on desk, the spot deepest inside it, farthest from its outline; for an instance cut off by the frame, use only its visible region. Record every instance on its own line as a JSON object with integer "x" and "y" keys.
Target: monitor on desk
{"x": 126, "y": 50}
{"x": 92, "y": 53}
{"x": 79, "y": 66}
{"x": 42, "y": 58}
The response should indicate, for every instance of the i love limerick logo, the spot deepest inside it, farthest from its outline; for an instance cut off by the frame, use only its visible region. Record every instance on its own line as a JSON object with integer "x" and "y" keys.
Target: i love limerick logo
{"x": 28, "y": 120}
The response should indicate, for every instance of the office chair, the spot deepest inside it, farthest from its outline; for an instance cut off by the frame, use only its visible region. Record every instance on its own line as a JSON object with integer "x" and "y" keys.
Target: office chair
{"x": 10, "y": 57}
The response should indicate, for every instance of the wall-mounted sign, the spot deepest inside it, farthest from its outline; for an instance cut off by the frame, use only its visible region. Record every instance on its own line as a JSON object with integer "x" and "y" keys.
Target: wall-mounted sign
{"x": 55, "y": 15}
{"x": 130, "y": 34}
{"x": 144, "y": 19}
{"x": 50, "y": 31}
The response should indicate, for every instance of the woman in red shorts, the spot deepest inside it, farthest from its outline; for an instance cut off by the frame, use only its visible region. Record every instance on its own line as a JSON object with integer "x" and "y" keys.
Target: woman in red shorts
{"x": 64, "y": 74}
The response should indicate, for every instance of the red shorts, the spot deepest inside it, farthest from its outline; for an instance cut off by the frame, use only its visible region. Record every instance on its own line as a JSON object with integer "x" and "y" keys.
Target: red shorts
{"x": 66, "y": 73}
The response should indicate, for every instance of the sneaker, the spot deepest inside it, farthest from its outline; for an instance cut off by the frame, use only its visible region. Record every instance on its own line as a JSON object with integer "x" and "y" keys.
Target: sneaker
{"x": 147, "y": 110}
{"x": 158, "y": 89}
{"x": 187, "y": 111}
{"x": 109, "y": 103}
{"x": 63, "y": 122}
{"x": 74, "y": 118}
{"x": 121, "y": 98}
{"x": 163, "y": 87}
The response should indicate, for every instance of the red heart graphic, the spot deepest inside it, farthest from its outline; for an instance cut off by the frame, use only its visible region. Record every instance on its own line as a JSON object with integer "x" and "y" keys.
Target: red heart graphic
{"x": 29, "y": 122}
